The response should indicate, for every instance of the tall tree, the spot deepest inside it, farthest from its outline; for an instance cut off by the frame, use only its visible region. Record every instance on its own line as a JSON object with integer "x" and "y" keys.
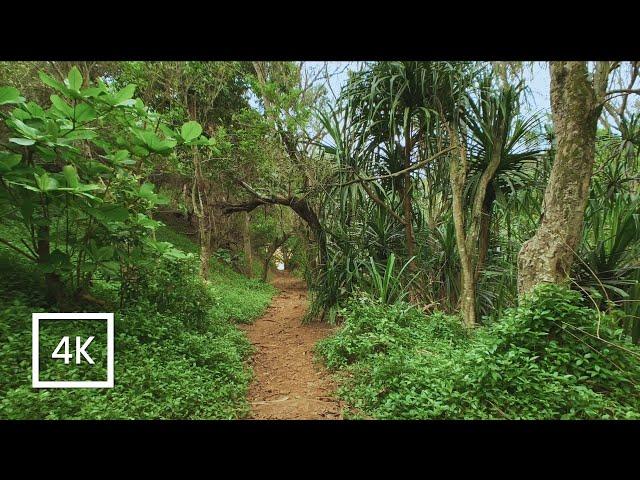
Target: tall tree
{"x": 576, "y": 103}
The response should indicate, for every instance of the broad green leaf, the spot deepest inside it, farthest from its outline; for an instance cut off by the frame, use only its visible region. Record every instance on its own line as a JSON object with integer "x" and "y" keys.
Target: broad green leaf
{"x": 93, "y": 92}
{"x": 50, "y": 81}
{"x": 104, "y": 253}
{"x": 190, "y": 131}
{"x": 93, "y": 167}
{"x": 8, "y": 161}
{"x": 85, "y": 113}
{"x": 168, "y": 131}
{"x": 35, "y": 110}
{"x": 75, "y": 79}
{"x": 121, "y": 157}
{"x": 146, "y": 190}
{"x": 45, "y": 183}
{"x": 21, "y": 114}
{"x": 71, "y": 176}
{"x": 22, "y": 141}
{"x": 155, "y": 144}
{"x": 57, "y": 260}
{"x": 10, "y": 95}
{"x": 139, "y": 151}
{"x": 61, "y": 105}
{"x": 140, "y": 106}
{"x": 111, "y": 266}
{"x": 147, "y": 222}
{"x": 110, "y": 213}
{"x": 26, "y": 130}
{"x": 161, "y": 200}
{"x": 80, "y": 134}
{"x": 123, "y": 97}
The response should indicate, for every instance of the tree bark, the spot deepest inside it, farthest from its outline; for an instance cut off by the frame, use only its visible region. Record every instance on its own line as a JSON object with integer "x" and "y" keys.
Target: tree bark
{"x": 246, "y": 244}
{"x": 457, "y": 176}
{"x": 53, "y": 284}
{"x": 205, "y": 251}
{"x": 576, "y": 104}
{"x": 485, "y": 230}
{"x": 406, "y": 201}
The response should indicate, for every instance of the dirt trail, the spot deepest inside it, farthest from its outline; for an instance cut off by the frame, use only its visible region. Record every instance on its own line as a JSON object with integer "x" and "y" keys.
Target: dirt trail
{"x": 287, "y": 383}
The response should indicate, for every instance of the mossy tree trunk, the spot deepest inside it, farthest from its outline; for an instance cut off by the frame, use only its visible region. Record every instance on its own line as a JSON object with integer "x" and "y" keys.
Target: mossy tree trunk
{"x": 576, "y": 103}
{"x": 457, "y": 176}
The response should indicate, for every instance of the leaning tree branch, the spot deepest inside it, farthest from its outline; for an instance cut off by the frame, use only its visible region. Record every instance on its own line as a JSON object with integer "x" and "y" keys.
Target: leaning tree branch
{"x": 258, "y": 200}
{"x": 623, "y": 91}
{"x": 413, "y": 167}
{"x": 383, "y": 204}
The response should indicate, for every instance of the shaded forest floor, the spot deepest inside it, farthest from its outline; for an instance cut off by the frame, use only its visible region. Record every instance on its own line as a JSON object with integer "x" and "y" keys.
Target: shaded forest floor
{"x": 287, "y": 383}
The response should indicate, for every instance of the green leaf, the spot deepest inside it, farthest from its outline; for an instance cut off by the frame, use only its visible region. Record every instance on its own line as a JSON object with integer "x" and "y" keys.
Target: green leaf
{"x": 104, "y": 253}
{"x": 50, "y": 81}
{"x": 190, "y": 131}
{"x": 75, "y": 79}
{"x": 123, "y": 97}
{"x": 81, "y": 134}
{"x": 85, "y": 113}
{"x": 45, "y": 183}
{"x": 110, "y": 213}
{"x": 155, "y": 144}
{"x": 146, "y": 190}
{"x": 35, "y": 110}
{"x": 93, "y": 92}
{"x": 22, "y": 141}
{"x": 8, "y": 161}
{"x": 10, "y": 95}
{"x": 168, "y": 131}
{"x": 71, "y": 176}
{"x": 62, "y": 106}
{"x": 121, "y": 157}
{"x": 147, "y": 222}
{"x": 26, "y": 130}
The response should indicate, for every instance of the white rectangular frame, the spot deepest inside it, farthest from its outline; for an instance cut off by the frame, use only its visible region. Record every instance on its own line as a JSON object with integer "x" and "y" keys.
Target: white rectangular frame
{"x": 35, "y": 345}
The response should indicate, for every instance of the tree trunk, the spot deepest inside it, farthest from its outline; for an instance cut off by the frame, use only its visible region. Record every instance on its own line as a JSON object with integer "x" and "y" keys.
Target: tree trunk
{"x": 485, "y": 230}
{"x": 246, "y": 244}
{"x": 547, "y": 257}
{"x": 457, "y": 175}
{"x": 406, "y": 202}
{"x": 205, "y": 248}
{"x": 302, "y": 208}
{"x": 53, "y": 284}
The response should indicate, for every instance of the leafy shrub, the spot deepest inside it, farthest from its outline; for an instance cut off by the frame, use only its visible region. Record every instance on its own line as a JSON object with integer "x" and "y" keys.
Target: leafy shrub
{"x": 174, "y": 287}
{"x": 373, "y": 327}
{"x": 551, "y": 357}
{"x": 178, "y": 354}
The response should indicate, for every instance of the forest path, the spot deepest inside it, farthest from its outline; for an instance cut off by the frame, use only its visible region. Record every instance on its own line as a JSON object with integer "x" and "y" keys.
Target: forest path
{"x": 287, "y": 383}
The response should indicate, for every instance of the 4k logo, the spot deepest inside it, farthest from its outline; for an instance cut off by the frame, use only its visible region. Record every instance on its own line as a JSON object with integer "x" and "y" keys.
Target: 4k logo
{"x": 81, "y": 352}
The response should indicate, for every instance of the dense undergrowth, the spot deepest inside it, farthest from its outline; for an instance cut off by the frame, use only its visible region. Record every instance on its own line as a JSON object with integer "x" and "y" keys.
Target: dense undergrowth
{"x": 178, "y": 354}
{"x": 550, "y": 358}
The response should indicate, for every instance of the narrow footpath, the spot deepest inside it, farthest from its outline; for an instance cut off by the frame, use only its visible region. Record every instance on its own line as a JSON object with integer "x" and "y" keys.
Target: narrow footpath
{"x": 287, "y": 383}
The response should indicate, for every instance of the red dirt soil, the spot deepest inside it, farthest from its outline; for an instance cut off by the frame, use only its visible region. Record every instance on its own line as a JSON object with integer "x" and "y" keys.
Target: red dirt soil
{"x": 288, "y": 384}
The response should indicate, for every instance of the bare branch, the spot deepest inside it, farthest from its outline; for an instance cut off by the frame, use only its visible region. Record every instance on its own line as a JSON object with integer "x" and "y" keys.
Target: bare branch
{"x": 415, "y": 166}
{"x": 623, "y": 91}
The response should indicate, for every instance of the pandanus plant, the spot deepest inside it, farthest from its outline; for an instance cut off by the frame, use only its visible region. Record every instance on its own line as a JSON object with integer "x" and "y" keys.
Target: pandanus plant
{"x": 493, "y": 121}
